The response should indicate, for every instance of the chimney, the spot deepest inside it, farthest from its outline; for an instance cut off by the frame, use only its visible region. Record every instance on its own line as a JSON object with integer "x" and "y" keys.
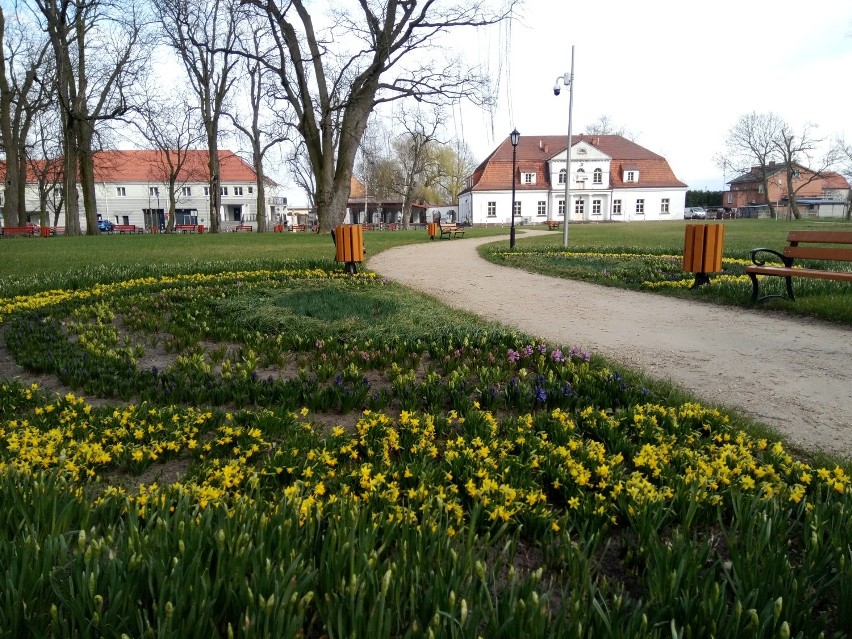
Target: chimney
{"x": 772, "y": 164}
{"x": 545, "y": 148}
{"x": 540, "y": 144}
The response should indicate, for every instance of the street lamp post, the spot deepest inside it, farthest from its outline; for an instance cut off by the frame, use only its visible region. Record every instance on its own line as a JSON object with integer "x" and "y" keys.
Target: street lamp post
{"x": 514, "y": 137}
{"x": 567, "y": 80}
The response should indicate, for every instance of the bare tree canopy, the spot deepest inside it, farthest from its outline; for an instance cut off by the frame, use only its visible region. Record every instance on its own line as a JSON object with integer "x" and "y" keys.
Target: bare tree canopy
{"x": 842, "y": 153}
{"x": 204, "y": 35}
{"x": 335, "y": 68}
{"x": 101, "y": 51}
{"x": 760, "y": 142}
{"x": 24, "y": 54}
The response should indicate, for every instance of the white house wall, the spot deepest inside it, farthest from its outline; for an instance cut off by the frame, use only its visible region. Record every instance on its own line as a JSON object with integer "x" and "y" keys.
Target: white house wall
{"x": 130, "y": 207}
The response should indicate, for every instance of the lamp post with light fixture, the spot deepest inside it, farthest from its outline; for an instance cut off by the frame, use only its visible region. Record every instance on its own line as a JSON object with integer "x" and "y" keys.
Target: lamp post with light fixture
{"x": 514, "y": 137}
{"x": 567, "y": 80}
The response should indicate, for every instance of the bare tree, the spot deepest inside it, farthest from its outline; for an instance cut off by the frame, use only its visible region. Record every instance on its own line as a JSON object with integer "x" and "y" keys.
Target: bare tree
{"x": 101, "y": 51}
{"x": 23, "y": 54}
{"x": 171, "y": 126}
{"x": 300, "y": 171}
{"x": 605, "y": 126}
{"x": 752, "y": 142}
{"x": 457, "y": 163}
{"x": 842, "y": 152}
{"x": 265, "y": 129}
{"x": 332, "y": 77}
{"x": 45, "y": 164}
{"x": 414, "y": 153}
{"x": 204, "y": 35}
{"x": 797, "y": 152}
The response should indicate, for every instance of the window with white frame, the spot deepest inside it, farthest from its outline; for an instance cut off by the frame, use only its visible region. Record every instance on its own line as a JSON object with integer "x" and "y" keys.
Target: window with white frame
{"x": 579, "y": 207}
{"x": 223, "y": 190}
{"x": 186, "y": 191}
{"x": 517, "y": 208}
{"x": 492, "y": 209}
{"x": 597, "y": 176}
{"x": 760, "y": 188}
{"x": 562, "y": 174}
{"x": 616, "y": 207}
{"x": 206, "y": 191}
{"x": 730, "y": 198}
{"x": 251, "y": 190}
{"x": 562, "y": 208}
{"x": 154, "y": 191}
{"x": 121, "y": 191}
{"x": 640, "y": 206}
{"x": 542, "y": 207}
{"x": 664, "y": 205}
{"x": 238, "y": 190}
{"x": 596, "y": 207}
{"x": 630, "y": 177}
{"x": 528, "y": 178}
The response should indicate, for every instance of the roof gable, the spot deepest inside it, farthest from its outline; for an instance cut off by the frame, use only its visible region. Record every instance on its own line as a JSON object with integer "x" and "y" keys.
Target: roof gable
{"x": 495, "y": 172}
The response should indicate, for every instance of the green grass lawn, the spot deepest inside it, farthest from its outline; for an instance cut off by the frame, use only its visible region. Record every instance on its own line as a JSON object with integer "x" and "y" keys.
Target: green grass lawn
{"x": 281, "y": 450}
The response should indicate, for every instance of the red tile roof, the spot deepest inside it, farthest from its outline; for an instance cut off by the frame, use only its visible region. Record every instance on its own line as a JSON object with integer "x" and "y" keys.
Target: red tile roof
{"x": 534, "y": 152}
{"x": 146, "y": 166}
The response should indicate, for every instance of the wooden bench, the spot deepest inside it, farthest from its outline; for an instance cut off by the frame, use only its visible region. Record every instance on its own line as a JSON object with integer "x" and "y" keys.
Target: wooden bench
{"x": 298, "y": 227}
{"x": 186, "y": 228}
{"x": 552, "y": 225}
{"x": 817, "y": 248}
{"x": 126, "y": 228}
{"x": 450, "y": 230}
{"x": 243, "y": 228}
{"x": 57, "y": 230}
{"x": 20, "y": 230}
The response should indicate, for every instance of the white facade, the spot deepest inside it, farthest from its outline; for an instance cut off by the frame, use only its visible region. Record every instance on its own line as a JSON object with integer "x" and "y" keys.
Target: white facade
{"x": 592, "y": 199}
{"x": 146, "y": 204}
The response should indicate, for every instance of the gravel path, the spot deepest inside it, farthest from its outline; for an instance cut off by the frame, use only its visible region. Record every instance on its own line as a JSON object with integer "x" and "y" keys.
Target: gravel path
{"x": 792, "y": 374}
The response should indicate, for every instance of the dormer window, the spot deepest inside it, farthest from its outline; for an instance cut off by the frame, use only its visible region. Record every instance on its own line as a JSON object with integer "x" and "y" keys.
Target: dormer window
{"x": 630, "y": 177}
{"x": 528, "y": 178}
{"x": 631, "y": 173}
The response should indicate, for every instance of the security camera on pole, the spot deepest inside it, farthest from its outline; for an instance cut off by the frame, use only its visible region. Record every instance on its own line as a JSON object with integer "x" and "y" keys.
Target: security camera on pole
{"x": 568, "y": 80}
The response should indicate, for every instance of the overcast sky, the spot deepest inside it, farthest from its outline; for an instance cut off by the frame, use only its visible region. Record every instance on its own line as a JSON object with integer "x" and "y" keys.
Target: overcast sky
{"x": 677, "y": 75}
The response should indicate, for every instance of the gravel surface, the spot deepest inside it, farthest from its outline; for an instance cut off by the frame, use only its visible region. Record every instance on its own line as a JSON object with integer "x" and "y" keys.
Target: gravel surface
{"x": 792, "y": 374}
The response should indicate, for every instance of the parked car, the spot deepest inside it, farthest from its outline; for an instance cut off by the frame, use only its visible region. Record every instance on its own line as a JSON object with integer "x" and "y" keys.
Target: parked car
{"x": 105, "y": 226}
{"x": 694, "y": 213}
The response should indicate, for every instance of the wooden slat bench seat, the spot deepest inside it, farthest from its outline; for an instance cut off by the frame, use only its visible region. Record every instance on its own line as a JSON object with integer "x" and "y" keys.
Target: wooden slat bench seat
{"x": 57, "y": 230}
{"x": 243, "y": 228}
{"x": 298, "y": 227}
{"x": 186, "y": 228}
{"x": 126, "y": 228}
{"x": 450, "y": 230}
{"x": 818, "y": 246}
{"x": 9, "y": 231}
{"x": 552, "y": 225}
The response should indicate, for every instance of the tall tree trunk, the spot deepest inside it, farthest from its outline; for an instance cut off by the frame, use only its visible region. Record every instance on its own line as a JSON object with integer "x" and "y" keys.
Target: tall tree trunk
{"x": 213, "y": 166}
{"x": 87, "y": 178}
{"x": 257, "y": 157}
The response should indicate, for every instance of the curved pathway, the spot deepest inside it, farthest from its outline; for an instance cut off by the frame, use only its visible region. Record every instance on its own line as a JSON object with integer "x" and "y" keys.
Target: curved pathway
{"x": 792, "y": 374}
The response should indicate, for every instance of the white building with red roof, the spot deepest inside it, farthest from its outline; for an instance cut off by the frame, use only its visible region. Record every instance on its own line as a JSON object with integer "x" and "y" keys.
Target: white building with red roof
{"x": 612, "y": 179}
{"x": 131, "y": 187}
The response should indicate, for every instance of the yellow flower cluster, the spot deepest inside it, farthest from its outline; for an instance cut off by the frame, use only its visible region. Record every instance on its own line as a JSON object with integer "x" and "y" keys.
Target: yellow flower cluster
{"x": 543, "y": 468}
{"x": 44, "y": 299}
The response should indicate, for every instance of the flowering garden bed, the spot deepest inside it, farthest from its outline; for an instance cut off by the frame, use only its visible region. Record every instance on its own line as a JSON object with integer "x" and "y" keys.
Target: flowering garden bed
{"x": 293, "y": 453}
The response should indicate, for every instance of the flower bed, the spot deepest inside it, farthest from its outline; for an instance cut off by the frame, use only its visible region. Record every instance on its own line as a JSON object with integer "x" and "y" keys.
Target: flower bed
{"x": 310, "y": 456}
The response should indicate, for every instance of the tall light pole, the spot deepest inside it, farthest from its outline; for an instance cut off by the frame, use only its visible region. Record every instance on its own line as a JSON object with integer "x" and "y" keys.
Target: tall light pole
{"x": 514, "y": 137}
{"x": 568, "y": 80}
